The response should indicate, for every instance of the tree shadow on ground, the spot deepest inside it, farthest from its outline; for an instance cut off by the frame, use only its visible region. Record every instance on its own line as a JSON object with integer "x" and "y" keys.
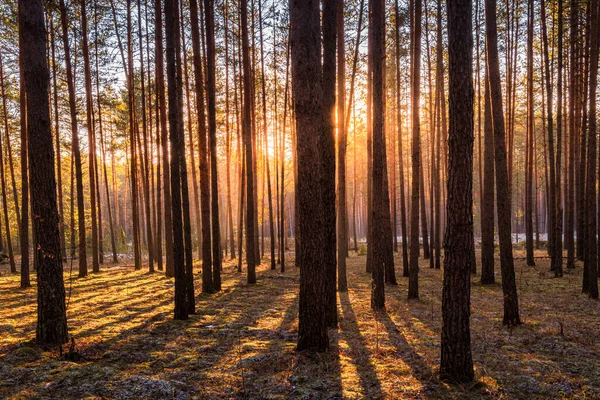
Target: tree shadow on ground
{"x": 359, "y": 351}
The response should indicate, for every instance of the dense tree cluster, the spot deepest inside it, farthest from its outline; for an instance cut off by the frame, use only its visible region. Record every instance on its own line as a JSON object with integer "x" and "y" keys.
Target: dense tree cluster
{"x": 157, "y": 133}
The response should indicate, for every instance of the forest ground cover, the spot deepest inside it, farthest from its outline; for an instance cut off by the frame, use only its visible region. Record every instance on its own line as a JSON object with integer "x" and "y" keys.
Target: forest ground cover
{"x": 241, "y": 342}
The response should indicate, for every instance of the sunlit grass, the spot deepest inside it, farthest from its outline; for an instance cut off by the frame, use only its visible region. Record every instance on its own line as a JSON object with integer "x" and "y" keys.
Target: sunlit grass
{"x": 241, "y": 342}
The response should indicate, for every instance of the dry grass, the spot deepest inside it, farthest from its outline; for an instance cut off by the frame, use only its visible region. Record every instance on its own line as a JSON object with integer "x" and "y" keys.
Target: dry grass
{"x": 240, "y": 344}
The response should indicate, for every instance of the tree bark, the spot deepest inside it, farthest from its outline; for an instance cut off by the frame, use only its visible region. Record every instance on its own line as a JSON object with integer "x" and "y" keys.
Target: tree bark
{"x": 52, "y": 318}
{"x": 342, "y": 207}
{"x": 378, "y": 243}
{"x": 209, "y": 9}
{"x": 456, "y": 361}
{"x": 305, "y": 40}
{"x": 251, "y": 252}
{"x": 590, "y": 273}
{"x": 207, "y": 278}
{"x": 413, "y": 280}
{"x": 75, "y": 145}
{"x": 175, "y": 99}
{"x": 487, "y": 208}
{"x": 509, "y": 288}
{"x": 327, "y": 149}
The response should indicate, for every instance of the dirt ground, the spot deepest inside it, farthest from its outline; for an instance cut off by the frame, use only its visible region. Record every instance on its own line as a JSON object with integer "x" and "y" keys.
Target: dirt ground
{"x": 241, "y": 342}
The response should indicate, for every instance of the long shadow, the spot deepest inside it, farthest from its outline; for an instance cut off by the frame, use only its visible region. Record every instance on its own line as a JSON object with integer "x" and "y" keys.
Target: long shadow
{"x": 419, "y": 368}
{"x": 92, "y": 288}
{"x": 274, "y": 359}
{"x": 123, "y": 319}
{"x": 204, "y": 340}
{"x": 359, "y": 351}
{"x": 218, "y": 329}
{"x": 79, "y": 300}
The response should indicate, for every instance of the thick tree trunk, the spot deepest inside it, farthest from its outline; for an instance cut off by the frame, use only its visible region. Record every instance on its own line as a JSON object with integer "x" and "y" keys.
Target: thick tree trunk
{"x": 456, "y": 362}
{"x": 52, "y": 318}
{"x": 305, "y": 39}
{"x": 327, "y": 148}
{"x": 378, "y": 243}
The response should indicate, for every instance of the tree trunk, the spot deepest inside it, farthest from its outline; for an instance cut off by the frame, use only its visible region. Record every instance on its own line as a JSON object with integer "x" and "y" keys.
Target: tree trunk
{"x": 590, "y": 273}
{"x": 207, "y": 278}
{"x": 413, "y": 280}
{"x": 11, "y": 257}
{"x": 456, "y": 361}
{"x": 327, "y": 149}
{"x": 209, "y": 8}
{"x": 405, "y": 268}
{"x": 305, "y": 38}
{"x": 554, "y": 217}
{"x": 378, "y": 243}
{"x": 251, "y": 253}
{"x": 91, "y": 137}
{"x": 529, "y": 140}
{"x": 24, "y": 221}
{"x": 509, "y": 288}
{"x": 137, "y": 255}
{"x": 52, "y": 318}
{"x": 160, "y": 90}
{"x": 342, "y": 238}
{"x": 75, "y": 145}
{"x": 175, "y": 99}
{"x": 487, "y": 208}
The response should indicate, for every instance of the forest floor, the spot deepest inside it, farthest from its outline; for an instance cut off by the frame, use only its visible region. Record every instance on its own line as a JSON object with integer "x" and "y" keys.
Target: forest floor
{"x": 241, "y": 342}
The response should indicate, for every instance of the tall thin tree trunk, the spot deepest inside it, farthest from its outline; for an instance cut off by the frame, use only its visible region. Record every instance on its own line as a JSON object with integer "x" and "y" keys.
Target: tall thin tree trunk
{"x": 160, "y": 90}
{"x": 590, "y": 275}
{"x": 529, "y": 140}
{"x": 175, "y": 98}
{"x": 137, "y": 255}
{"x": 376, "y": 57}
{"x": 413, "y": 281}
{"x": 24, "y": 221}
{"x": 75, "y": 144}
{"x": 342, "y": 239}
{"x": 487, "y": 207}
{"x": 251, "y": 252}
{"x": 405, "y": 267}
{"x": 554, "y": 217}
{"x": 203, "y": 151}
{"x": 209, "y": 9}
{"x": 509, "y": 288}
{"x": 91, "y": 137}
